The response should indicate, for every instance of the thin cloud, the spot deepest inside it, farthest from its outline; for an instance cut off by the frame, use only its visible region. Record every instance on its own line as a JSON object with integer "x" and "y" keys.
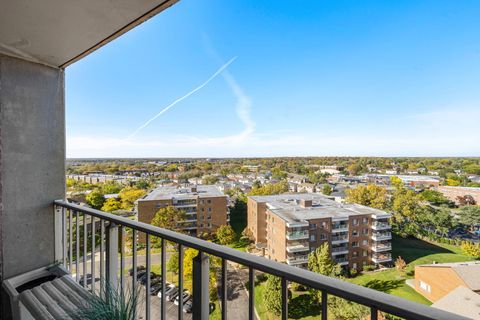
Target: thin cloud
{"x": 143, "y": 126}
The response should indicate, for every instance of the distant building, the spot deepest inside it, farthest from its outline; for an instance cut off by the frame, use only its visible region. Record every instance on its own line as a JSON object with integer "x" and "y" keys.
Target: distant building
{"x": 206, "y": 206}
{"x": 290, "y": 226}
{"x": 452, "y": 193}
{"x": 453, "y": 287}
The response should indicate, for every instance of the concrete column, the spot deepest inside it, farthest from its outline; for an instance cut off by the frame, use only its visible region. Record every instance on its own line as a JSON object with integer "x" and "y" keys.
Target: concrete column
{"x": 32, "y": 162}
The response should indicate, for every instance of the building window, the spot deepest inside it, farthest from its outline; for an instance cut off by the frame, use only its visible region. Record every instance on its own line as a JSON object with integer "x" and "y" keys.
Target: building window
{"x": 364, "y": 253}
{"x": 209, "y": 201}
{"x": 365, "y": 220}
{"x": 313, "y": 226}
{"x": 312, "y": 249}
{"x": 355, "y": 244}
{"x": 365, "y": 242}
{"x": 323, "y": 236}
{"x": 355, "y": 254}
{"x": 312, "y": 237}
{"x": 209, "y": 209}
{"x": 209, "y": 217}
{"x": 355, "y": 233}
{"x": 364, "y": 263}
{"x": 202, "y": 201}
{"x": 324, "y": 225}
{"x": 355, "y": 222}
{"x": 365, "y": 231}
{"x": 354, "y": 265}
{"x": 425, "y": 287}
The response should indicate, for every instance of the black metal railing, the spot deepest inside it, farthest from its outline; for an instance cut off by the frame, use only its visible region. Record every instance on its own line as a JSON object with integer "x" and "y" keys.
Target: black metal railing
{"x": 111, "y": 244}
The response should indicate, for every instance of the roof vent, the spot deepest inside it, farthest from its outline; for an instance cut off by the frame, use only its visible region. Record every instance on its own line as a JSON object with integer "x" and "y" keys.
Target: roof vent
{"x": 305, "y": 203}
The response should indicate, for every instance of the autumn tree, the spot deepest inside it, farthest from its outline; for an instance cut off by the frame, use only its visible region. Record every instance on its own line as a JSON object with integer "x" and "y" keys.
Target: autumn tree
{"x": 168, "y": 218}
{"x": 370, "y": 196}
{"x": 129, "y": 195}
{"x": 471, "y": 249}
{"x": 225, "y": 234}
{"x": 401, "y": 266}
{"x": 111, "y": 205}
{"x": 95, "y": 199}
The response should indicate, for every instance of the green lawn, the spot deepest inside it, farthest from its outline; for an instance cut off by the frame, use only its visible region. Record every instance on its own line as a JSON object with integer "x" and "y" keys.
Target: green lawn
{"x": 413, "y": 251}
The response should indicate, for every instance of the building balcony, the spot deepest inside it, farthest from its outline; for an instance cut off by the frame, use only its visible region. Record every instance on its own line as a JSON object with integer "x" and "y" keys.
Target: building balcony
{"x": 297, "y": 235}
{"x": 339, "y": 227}
{"x": 381, "y": 225}
{"x": 341, "y": 261}
{"x": 382, "y": 258}
{"x": 294, "y": 261}
{"x": 381, "y": 247}
{"x": 380, "y": 236}
{"x": 339, "y": 251}
{"x": 298, "y": 248}
{"x": 339, "y": 239}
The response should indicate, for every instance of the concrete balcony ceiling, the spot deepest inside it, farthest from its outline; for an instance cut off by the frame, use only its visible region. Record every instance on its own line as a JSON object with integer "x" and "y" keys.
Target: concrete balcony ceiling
{"x": 59, "y": 32}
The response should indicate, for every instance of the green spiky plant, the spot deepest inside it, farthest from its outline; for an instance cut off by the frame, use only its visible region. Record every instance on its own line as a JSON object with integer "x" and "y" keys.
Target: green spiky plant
{"x": 111, "y": 304}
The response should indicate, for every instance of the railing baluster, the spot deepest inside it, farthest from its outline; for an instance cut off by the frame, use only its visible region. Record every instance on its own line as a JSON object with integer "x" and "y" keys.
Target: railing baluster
{"x": 163, "y": 309}
{"x": 112, "y": 256}
{"x": 284, "y": 299}
{"x": 64, "y": 237}
{"x": 70, "y": 243}
{"x": 134, "y": 260}
{"x": 92, "y": 271}
{"x": 251, "y": 294}
{"x": 373, "y": 313}
{"x": 77, "y": 245}
{"x": 85, "y": 236}
{"x": 224, "y": 289}
{"x": 147, "y": 287}
{"x": 324, "y": 305}
{"x": 102, "y": 256}
{"x": 122, "y": 260}
{"x": 180, "y": 281}
{"x": 201, "y": 297}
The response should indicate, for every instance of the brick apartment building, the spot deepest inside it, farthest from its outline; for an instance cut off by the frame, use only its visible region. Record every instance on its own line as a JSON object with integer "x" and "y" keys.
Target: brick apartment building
{"x": 290, "y": 226}
{"x": 206, "y": 206}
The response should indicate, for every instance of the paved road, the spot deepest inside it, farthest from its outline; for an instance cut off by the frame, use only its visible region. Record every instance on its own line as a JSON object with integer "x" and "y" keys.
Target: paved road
{"x": 237, "y": 297}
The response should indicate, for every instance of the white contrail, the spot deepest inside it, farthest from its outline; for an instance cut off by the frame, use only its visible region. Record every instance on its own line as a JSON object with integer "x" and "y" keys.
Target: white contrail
{"x": 183, "y": 97}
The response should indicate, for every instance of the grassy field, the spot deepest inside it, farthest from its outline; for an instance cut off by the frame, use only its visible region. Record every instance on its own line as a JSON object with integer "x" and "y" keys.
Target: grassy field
{"x": 413, "y": 251}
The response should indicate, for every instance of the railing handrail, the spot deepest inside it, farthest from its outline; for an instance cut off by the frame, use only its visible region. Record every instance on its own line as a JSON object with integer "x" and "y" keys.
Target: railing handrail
{"x": 349, "y": 291}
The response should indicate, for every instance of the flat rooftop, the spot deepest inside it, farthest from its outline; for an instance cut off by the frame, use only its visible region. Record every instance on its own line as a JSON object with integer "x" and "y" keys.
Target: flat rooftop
{"x": 288, "y": 207}
{"x": 174, "y": 192}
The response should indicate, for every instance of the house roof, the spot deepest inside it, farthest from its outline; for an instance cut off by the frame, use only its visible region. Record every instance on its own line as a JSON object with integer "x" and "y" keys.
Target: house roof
{"x": 461, "y": 301}
{"x": 469, "y": 272}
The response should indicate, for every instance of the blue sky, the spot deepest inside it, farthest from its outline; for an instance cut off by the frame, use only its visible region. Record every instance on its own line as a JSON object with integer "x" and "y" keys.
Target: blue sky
{"x": 310, "y": 78}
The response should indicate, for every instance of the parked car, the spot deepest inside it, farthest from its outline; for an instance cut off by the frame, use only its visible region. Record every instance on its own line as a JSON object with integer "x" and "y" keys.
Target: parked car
{"x": 171, "y": 294}
{"x": 88, "y": 279}
{"x": 154, "y": 278}
{"x": 139, "y": 269}
{"x": 168, "y": 289}
{"x": 188, "y": 306}
{"x": 155, "y": 288}
{"x": 185, "y": 297}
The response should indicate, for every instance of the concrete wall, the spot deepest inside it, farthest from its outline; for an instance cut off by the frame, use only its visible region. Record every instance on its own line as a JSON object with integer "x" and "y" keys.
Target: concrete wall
{"x": 32, "y": 162}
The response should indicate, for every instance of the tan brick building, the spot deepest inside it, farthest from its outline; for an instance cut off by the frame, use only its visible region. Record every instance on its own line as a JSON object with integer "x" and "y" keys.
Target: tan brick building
{"x": 435, "y": 281}
{"x": 290, "y": 226}
{"x": 205, "y": 205}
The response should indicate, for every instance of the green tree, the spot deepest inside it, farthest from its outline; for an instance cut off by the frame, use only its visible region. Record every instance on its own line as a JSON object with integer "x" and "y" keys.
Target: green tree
{"x": 470, "y": 216}
{"x": 272, "y": 296}
{"x": 111, "y": 205}
{"x": 269, "y": 189}
{"x": 434, "y": 197}
{"x": 95, "y": 199}
{"x": 110, "y": 187}
{"x": 407, "y": 210}
{"x": 172, "y": 264}
{"x": 370, "y": 196}
{"x": 168, "y": 218}
{"x": 327, "y": 190}
{"x": 209, "y": 179}
{"x": 341, "y": 309}
{"x": 225, "y": 234}
{"x": 320, "y": 261}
